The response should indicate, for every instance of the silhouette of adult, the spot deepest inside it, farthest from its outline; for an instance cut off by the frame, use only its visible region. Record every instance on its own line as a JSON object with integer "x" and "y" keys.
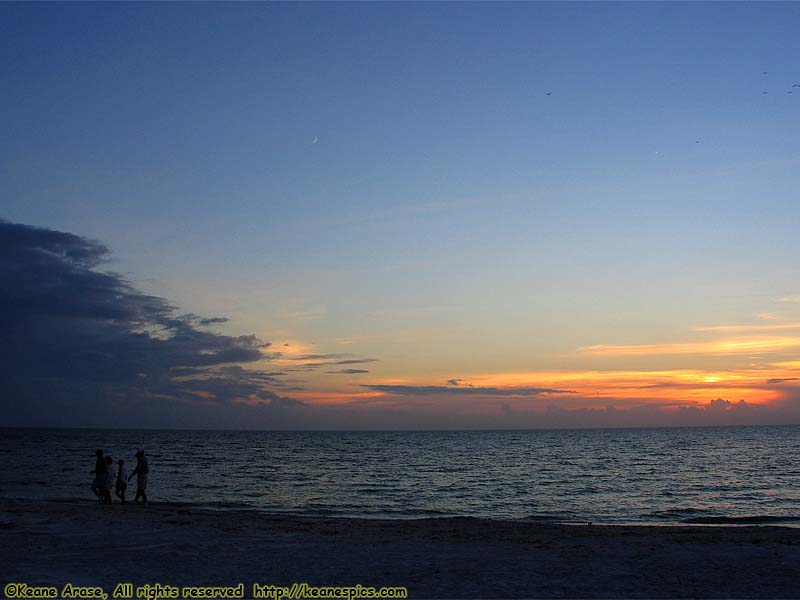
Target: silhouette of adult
{"x": 100, "y": 475}
{"x": 141, "y": 471}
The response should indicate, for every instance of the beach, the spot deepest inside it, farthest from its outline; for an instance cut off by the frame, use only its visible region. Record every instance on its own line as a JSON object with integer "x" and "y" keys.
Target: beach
{"x": 54, "y": 542}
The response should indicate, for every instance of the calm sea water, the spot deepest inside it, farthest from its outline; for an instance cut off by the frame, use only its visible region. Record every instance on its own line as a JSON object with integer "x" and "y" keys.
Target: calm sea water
{"x": 628, "y": 475}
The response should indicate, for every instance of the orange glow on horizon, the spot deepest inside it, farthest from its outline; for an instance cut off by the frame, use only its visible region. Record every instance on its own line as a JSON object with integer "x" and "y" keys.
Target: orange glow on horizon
{"x": 586, "y": 388}
{"x": 758, "y": 382}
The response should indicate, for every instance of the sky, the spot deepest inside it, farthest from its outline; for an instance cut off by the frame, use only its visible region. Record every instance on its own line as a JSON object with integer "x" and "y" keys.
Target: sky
{"x": 399, "y": 215}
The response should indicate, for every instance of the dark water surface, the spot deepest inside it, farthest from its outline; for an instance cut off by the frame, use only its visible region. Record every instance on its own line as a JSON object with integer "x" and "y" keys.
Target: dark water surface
{"x": 620, "y": 475}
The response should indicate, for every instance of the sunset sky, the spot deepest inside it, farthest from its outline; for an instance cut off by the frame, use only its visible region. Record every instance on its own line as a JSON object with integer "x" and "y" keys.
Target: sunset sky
{"x": 427, "y": 215}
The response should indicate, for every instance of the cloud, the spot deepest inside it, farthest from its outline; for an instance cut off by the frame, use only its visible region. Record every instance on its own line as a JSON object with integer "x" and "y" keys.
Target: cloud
{"x": 742, "y": 345}
{"x": 718, "y": 411}
{"x": 322, "y": 360}
{"x": 782, "y": 379}
{"x": 755, "y": 327}
{"x": 356, "y": 361}
{"x": 213, "y": 321}
{"x": 317, "y": 356}
{"x": 436, "y": 390}
{"x": 80, "y": 343}
{"x": 349, "y": 371}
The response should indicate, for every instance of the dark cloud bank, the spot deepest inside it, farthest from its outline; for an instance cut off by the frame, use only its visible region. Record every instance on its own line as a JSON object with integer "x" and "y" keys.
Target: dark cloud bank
{"x": 83, "y": 347}
{"x": 461, "y": 390}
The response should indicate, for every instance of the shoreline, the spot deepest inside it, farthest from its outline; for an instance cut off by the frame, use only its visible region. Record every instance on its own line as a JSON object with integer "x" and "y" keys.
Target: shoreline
{"x": 234, "y": 507}
{"x": 53, "y": 542}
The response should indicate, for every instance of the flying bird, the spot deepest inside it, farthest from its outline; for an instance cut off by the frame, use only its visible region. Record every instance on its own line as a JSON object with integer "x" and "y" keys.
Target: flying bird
{"x": 547, "y": 93}
{"x": 764, "y": 72}
{"x": 796, "y": 85}
{"x": 315, "y": 140}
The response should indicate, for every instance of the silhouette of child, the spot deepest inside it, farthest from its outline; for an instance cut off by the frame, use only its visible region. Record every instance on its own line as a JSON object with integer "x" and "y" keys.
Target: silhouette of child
{"x": 122, "y": 480}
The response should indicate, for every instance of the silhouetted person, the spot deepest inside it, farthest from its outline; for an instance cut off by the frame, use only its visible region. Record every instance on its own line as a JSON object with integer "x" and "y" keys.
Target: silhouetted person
{"x": 108, "y": 480}
{"x": 122, "y": 480}
{"x": 100, "y": 472}
{"x": 141, "y": 471}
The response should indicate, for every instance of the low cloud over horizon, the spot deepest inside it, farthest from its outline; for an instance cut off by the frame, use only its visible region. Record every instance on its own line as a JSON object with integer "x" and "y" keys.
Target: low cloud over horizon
{"x": 461, "y": 390}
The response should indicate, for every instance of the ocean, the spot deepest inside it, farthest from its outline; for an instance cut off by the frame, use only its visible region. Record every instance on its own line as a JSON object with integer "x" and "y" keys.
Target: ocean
{"x": 662, "y": 476}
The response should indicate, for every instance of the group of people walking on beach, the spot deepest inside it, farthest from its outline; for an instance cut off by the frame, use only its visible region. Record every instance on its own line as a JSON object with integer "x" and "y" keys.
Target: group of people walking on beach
{"x": 104, "y": 477}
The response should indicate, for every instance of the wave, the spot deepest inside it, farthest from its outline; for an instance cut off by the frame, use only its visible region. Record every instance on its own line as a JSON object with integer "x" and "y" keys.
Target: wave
{"x": 747, "y": 520}
{"x": 672, "y": 514}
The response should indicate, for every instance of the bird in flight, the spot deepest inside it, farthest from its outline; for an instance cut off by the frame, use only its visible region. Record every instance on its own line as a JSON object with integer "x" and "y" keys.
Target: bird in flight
{"x": 316, "y": 139}
{"x": 547, "y": 93}
{"x": 796, "y": 85}
{"x": 764, "y": 72}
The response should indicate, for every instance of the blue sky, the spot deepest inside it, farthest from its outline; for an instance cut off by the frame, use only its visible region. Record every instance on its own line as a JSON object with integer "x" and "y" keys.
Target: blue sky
{"x": 451, "y": 216}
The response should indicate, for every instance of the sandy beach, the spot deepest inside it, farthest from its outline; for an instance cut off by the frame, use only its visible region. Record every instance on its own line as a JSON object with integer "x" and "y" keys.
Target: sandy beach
{"x": 76, "y": 541}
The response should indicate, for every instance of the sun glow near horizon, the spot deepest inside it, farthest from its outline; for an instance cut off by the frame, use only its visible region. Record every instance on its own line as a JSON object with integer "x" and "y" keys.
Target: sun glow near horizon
{"x": 761, "y": 382}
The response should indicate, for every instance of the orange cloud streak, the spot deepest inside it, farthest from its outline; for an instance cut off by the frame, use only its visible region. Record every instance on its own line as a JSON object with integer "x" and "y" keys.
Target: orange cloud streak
{"x": 755, "y": 327}
{"x": 739, "y": 345}
{"x": 334, "y": 397}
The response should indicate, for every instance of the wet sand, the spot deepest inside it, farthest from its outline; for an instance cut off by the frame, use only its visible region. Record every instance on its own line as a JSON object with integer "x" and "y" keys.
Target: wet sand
{"x": 55, "y": 542}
